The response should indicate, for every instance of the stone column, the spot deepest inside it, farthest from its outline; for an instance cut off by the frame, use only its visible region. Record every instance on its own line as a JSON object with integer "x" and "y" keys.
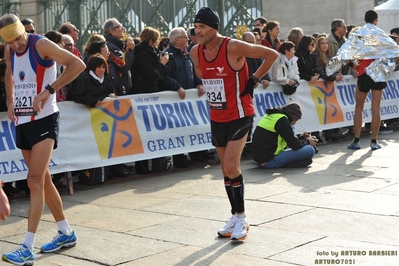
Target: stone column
{"x": 33, "y": 10}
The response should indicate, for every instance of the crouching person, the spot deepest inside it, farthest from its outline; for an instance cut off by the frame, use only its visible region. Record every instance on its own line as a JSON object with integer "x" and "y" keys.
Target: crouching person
{"x": 274, "y": 143}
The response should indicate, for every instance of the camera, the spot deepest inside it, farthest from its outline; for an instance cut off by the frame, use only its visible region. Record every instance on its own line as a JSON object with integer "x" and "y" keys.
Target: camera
{"x": 163, "y": 53}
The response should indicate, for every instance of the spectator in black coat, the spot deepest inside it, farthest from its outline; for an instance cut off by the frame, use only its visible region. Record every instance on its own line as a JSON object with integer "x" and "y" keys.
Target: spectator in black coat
{"x": 179, "y": 76}
{"x": 149, "y": 63}
{"x": 92, "y": 85}
{"x": 120, "y": 74}
{"x": 306, "y": 65}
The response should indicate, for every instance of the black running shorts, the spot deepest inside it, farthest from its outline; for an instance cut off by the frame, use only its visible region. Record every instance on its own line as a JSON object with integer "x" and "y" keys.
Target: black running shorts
{"x": 31, "y": 133}
{"x": 232, "y": 130}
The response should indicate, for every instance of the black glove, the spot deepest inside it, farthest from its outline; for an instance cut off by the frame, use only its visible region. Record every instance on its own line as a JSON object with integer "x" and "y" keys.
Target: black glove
{"x": 250, "y": 88}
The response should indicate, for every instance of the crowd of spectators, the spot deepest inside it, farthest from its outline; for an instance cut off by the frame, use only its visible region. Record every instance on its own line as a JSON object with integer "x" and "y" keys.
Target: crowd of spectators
{"x": 118, "y": 64}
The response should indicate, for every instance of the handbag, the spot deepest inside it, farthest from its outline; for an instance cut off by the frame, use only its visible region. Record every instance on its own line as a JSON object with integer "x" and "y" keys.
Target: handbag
{"x": 155, "y": 165}
{"x": 289, "y": 90}
{"x": 94, "y": 176}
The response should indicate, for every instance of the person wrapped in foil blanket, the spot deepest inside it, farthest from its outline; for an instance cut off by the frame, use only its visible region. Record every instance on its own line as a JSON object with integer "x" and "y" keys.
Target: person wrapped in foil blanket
{"x": 368, "y": 42}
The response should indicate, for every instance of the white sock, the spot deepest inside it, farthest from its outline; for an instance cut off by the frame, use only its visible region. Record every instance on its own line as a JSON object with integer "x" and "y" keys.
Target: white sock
{"x": 241, "y": 216}
{"x": 29, "y": 240}
{"x": 64, "y": 227}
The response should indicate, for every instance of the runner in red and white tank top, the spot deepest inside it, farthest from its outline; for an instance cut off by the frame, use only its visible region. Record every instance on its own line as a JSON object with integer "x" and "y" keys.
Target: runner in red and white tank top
{"x": 220, "y": 62}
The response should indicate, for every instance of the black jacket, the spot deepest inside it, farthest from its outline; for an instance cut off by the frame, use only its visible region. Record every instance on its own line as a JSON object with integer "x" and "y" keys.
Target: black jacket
{"x": 306, "y": 65}
{"x": 87, "y": 90}
{"x": 253, "y": 65}
{"x": 179, "y": 71}
{"x": 120, "y": 75}
{"x": 147, "y": 71}
{"x": 264, "y": 142}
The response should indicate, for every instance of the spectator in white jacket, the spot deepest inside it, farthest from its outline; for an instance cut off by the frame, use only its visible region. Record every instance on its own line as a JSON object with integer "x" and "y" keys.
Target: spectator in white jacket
{"x": 285, "y": 69}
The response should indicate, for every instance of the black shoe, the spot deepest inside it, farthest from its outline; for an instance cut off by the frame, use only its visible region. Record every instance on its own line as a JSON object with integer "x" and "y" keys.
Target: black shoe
{"x": 8, "y": 190}
{"x": 182, "y": 163}
{"x": 332, "y": 139}
{"x": 299, "y": 164}
{"x": 198, "y": 159}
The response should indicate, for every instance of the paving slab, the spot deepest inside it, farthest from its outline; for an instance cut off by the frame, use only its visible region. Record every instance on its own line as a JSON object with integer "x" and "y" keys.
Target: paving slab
{"x": 346, "y": 201}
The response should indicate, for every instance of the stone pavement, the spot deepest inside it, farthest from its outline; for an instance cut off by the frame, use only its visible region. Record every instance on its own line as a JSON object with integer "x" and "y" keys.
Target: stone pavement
{"x": 341, "y": 210}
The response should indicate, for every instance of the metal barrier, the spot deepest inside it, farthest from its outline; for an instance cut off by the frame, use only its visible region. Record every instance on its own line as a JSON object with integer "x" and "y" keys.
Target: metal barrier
{"x": 88, "y": 16}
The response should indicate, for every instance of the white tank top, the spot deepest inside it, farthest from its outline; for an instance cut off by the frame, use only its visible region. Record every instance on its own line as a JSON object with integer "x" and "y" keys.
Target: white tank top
{"x": 31, "y": 75}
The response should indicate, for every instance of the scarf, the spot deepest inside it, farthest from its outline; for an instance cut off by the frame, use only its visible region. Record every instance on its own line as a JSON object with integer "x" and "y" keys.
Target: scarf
{"x": 101, "y": 80}
{"x": 288, "y": 63}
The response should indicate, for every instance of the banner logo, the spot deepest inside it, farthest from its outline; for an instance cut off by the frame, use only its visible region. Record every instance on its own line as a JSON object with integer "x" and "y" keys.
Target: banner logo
{"x": 115, "y": 129}
{"x": 326, "y": 103}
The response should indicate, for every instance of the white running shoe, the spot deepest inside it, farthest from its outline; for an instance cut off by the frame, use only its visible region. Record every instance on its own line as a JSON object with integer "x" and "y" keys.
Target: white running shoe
{"x": 240, "y": 229}
{"x": 227, "y": 230}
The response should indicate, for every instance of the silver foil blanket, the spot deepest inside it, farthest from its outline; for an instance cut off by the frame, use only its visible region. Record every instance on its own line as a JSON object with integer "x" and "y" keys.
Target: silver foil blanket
{"x": 368, "y": 42}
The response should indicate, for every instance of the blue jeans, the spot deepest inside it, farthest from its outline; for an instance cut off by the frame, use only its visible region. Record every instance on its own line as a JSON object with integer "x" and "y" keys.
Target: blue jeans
{"x": 288, "y": 156}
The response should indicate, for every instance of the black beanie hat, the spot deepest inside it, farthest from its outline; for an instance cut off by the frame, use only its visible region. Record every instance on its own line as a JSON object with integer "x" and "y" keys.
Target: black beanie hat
{"x": 292, "y": 110}
{"x": 208, "y": 17}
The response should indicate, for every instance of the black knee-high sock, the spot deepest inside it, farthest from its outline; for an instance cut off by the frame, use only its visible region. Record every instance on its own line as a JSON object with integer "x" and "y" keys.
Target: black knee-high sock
{"x": 238, "y": 188}
{"x": 230, "y": 193}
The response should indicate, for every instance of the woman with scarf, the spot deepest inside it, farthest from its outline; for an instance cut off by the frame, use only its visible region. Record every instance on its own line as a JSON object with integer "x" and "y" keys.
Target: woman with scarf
{"x": 92, "y": 85}
{"x": 285, "y": 69}
{"x": 274, "y": 143}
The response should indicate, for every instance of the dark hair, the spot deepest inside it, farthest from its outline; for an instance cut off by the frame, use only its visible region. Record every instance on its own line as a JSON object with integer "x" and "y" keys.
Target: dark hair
{"x": 303, "y": 45}
{"x": 149, "y": 34}
{"x": 262, "y": 20}
{"x": 395, "y": 30}
{"x": 3, "y": 67}
{"x": 258, "y": 30}
{"x": 270, "y": 25}
{"x": 96, "y": 60}
{"x": 163, "y": 42}
{"x": 370, "y": 16}
{"x": 64, "y": 28}
{"x": 54, "y": 36}
{"x": 95, "y": 47}
{"x": 286, "y": 46}
{"x": 27, "y": 21}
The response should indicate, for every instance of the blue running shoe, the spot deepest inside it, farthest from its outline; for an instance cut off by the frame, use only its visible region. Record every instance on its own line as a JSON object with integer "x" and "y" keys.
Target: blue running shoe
{"x": 21, "y": 256}
{"x": 61, "y": 240}
{"x": 375, "y": 146}
{"x": 354, "y": 145}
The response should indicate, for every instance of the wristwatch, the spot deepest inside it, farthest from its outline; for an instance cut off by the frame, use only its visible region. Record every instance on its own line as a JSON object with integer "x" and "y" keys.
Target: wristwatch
{"x": 50, "y": 89}
{"x": 255, "y": 79}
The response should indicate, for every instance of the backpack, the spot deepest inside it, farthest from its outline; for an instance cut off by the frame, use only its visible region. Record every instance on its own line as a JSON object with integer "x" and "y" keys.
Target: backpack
{"x": 94, "y": 176}
{"x": 155, "y": 165}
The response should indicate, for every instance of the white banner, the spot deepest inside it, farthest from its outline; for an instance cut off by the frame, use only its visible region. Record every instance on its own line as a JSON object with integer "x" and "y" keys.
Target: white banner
{"x": 138, "y": 127}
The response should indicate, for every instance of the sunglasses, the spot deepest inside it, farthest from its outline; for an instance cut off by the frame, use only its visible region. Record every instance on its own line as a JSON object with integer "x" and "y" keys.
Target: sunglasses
{"x": 31, "y": 31}
{"x": 68, "y": 44}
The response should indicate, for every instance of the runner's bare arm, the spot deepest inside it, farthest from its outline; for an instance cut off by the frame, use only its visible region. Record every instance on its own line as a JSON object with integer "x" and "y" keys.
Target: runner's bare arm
{"x": 9, "y": 85}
